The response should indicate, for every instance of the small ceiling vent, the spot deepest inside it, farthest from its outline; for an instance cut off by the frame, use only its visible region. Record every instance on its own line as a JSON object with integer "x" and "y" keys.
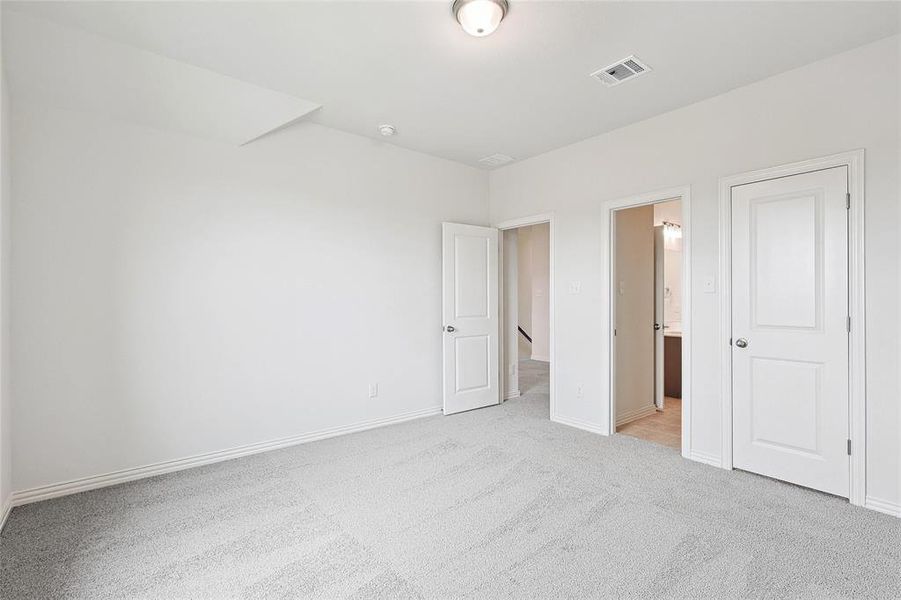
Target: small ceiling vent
{"x": 495, "y": 160}
{"x": 618, "y": 72}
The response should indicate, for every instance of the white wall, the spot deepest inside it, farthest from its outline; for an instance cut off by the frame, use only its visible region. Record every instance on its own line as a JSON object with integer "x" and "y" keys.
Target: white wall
{"x": 174, "y": 296}
{"x": 842, "y": 103}
{"x": 5, "y": 396}
{"x": 511, "y": 340}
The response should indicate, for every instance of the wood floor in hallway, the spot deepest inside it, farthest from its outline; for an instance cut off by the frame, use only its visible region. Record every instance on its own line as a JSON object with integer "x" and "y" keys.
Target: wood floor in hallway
{"x": 663, "y": 427}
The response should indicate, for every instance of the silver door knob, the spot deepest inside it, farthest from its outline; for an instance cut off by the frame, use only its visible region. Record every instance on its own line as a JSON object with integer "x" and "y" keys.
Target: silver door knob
{"x": 741, "y": 343}
{"x": 450, "y": 329}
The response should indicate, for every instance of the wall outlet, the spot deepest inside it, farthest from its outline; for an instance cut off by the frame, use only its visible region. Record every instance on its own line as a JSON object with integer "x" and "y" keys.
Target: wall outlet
{"x": 575, "y": 287}
{"x": 373, "y": 390}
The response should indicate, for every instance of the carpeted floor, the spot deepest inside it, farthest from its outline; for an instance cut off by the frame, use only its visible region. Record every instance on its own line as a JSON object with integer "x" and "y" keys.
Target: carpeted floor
{"x": 493, "y": 503}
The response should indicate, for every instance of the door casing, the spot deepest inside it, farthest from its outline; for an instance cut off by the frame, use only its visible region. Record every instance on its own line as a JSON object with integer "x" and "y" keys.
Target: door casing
{"x": 607, "y": 223}
{"x": 854, "y": 160}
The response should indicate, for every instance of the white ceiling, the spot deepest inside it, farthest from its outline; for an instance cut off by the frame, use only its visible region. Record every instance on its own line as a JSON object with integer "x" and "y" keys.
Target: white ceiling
{"x": 76, "y": 70}
{"x": 522, "y": 91}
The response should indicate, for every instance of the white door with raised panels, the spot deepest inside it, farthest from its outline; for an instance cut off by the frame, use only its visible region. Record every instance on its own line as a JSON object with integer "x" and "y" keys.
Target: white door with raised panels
{"x": 790, "y": 385}
{"x": 470, "y": 313}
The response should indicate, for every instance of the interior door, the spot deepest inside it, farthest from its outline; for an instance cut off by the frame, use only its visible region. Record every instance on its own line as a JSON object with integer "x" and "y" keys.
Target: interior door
{"x": 659, "y": 287}
{"x": 470, "y": 314}
{"x": 790, "y": 329}
{"x": 634, "y": 299}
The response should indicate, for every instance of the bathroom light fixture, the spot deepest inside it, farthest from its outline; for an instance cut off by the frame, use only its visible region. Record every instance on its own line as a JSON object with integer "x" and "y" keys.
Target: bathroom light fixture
{"x": 480, "y": 17}
{"x": 671, "y": 232}
{"x": 387, "y": 130}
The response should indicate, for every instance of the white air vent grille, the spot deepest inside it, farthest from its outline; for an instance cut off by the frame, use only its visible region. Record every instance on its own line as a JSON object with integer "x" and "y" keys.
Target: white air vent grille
{"x": 495, "y": 160}
{"x": 620, "y": 71}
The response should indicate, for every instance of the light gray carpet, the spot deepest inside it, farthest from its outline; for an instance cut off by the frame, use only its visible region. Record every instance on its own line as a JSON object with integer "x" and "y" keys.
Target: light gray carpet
{"x": 494, "y": 503}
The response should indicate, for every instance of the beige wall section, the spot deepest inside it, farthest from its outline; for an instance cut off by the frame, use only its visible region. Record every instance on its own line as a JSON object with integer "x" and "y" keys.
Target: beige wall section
{"x": 838, "y": 104}
{"x": 524, "y": 288}
{"x": 634, "y": 290}
{"x": 540, "y": 242}
{"x": 533, "y": 283}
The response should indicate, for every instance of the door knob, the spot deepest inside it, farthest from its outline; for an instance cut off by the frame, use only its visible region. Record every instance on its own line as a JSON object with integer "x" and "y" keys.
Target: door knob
{"x": 656, "y": 326}
{"x": 450, "y": 329}
{"x": 741, "y": 343}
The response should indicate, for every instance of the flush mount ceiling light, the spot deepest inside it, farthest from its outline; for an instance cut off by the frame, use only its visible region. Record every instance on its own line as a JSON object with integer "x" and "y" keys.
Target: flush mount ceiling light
{"x": 387, "y": 130}
{"x": 480, "y": 17}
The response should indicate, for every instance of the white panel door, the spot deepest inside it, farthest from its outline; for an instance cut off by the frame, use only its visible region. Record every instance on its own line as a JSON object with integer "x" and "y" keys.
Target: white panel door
{"x": 634, "y": 310}
{"x": 470, "y": 314}
{"x": 790, "y": 329}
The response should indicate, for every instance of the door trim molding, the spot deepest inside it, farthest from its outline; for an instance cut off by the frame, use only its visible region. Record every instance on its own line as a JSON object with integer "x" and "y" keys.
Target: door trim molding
{"x": 607, "y": 289}
{"x": 854, "y": 160}
{"x": 552, "y": 296}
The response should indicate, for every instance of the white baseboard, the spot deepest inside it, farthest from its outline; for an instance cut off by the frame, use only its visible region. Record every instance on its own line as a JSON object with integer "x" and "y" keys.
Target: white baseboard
{"x": 45, "y": 492}
{"x": 511, "y": 395}
{"x": 579, "y": 424}
{"x": 7, "y": 508}
{"x": 633, "y": 415}
{"x": 546, "y": 359}
{"x": 883, "y": 506}
{"x": 704, "y": 457}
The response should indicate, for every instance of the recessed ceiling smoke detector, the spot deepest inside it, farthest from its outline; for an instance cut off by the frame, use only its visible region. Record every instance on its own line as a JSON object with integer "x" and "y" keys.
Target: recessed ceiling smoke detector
{"x": 495, "y": 160}
{"x": 620, "y": 71}
{"x": 387, "y": 130}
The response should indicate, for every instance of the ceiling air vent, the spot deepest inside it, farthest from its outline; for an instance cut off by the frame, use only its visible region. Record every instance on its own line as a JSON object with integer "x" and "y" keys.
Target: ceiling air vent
{"x": 623, "y": 70}
{"x": 495, "y": 160}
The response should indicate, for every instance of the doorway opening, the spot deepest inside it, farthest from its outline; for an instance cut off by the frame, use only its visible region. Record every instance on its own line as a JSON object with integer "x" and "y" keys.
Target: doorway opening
{"x": 527, "y": 308}
{"x": 648, "y": 284}
{"x": 648, "y": 322}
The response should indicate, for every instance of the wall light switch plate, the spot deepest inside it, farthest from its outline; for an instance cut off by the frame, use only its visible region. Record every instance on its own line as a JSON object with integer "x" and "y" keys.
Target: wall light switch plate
{"x": 373, "y": 390}
{"x": 575, "y": 287}
{"x": 709, "y": 285}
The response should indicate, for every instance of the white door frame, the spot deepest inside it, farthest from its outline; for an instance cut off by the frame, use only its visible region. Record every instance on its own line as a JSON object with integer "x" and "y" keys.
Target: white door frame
{"x": 854, "y": 160}
{"x": 684, "y": 194}
{"x": 552, "y": 293}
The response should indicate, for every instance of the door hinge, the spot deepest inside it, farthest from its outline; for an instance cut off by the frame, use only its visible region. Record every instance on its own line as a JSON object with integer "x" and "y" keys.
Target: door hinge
{"x": 849, "y": 324}
{"x": 848, "y": 200}
{"x": 614, "y": 332}
{"x": 849, "y": 447}
{"x": 730, "y": 341}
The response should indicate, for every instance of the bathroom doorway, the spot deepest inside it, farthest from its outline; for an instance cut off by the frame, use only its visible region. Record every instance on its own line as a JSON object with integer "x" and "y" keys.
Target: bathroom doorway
{"x": 647, "y": 312}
